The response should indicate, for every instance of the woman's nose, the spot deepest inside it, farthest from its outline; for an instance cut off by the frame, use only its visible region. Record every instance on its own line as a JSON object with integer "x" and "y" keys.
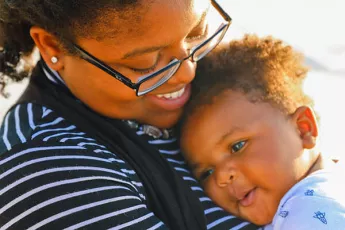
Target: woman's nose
{"x": 185, "y": 74}
{"x": 225, "y": 175}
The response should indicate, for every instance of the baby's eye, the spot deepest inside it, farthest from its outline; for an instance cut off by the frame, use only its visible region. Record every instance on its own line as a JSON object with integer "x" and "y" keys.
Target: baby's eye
{"x": 205, "y": 174}
{"x": 238, "y": 146}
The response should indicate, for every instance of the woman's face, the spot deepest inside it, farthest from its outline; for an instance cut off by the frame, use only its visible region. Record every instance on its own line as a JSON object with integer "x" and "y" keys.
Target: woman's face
{"x": 146, "y": 39}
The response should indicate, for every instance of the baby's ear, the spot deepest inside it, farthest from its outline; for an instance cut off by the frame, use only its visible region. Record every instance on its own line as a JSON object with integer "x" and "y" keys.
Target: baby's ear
{"x": 305, "y": 120}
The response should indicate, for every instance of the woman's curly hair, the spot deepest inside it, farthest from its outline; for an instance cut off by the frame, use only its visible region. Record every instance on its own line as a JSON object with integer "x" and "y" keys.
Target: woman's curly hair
{"x": 264, "y": 69}
{"x": 65, "y": 19}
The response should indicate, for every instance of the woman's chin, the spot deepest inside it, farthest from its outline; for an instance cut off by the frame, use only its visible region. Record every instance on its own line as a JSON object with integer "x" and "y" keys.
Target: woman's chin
{"x": 164, "y": 120}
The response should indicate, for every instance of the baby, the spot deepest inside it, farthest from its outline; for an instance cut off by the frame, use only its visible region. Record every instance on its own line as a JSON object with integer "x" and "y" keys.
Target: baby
{"x": 250, "y": 134}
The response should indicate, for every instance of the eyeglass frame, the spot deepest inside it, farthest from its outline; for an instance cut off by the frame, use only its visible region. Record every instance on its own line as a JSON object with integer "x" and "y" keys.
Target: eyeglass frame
{"x": 135, "y": 86}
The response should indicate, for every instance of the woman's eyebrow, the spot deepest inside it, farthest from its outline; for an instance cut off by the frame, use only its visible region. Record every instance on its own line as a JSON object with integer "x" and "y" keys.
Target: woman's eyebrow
{"x": 140, "y": 51}
{"x": 201, "y": 20}
{"x": 145, "y": 50}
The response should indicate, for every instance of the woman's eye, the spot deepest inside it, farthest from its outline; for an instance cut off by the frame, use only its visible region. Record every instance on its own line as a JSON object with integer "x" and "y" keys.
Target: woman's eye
{"x": 204, "y": 175}
{"x": 144, "y": 71}
{"x": 198, "y": 38}
{"x": 238, "y": 146}
{"x": 147, "y": 70}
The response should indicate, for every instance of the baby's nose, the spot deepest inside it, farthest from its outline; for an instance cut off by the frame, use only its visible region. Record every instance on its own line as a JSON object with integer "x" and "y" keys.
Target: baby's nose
{"x": 225, "y": 176}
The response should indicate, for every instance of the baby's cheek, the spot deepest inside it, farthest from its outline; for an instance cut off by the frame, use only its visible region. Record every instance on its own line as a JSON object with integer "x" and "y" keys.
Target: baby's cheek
{"x": 220, "y": 196}
{"x": 210, "y": 189}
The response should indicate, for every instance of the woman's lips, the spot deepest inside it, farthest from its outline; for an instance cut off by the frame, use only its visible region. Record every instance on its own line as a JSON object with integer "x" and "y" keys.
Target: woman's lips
{"x": 248, "y": 199}
{"x": 171, "y": 104}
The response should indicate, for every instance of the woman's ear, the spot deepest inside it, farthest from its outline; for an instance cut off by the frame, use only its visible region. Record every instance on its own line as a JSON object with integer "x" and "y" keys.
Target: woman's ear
{"x": 49, "y": 47}
{"x": 306, "y": 123}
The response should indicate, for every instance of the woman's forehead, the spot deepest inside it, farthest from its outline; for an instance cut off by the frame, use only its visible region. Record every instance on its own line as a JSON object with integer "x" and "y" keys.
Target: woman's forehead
{"x": 159, "y": 23}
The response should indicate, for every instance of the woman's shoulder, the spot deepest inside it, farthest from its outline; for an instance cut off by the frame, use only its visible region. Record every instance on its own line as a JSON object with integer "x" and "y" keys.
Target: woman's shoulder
{"x": 29, "y": 122}
{"x": 31, "y": 128}
{"x": 58, "y": 179}
{"x": 23, "y": 121}
{"x": 34, "y": 138}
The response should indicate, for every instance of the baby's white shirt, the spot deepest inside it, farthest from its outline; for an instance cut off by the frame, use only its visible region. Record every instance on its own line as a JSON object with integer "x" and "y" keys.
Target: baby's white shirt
{"x": 315, "y": 203}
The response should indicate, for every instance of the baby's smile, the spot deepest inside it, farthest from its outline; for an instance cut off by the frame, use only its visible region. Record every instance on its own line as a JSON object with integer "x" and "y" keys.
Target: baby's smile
{"x": 248, "y": 198}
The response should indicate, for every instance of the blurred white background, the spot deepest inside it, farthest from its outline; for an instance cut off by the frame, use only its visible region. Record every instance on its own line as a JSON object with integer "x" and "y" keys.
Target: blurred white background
{"x": 315, "y": 27}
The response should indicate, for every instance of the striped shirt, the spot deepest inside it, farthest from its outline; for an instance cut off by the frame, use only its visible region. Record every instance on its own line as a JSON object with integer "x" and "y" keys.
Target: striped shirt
{"x": 53, "y": 176}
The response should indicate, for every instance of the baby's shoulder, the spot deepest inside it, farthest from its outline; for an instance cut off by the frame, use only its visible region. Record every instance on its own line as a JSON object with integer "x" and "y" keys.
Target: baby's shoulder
{"x": 321, "y": 185}
{"x": 318, "y": 201}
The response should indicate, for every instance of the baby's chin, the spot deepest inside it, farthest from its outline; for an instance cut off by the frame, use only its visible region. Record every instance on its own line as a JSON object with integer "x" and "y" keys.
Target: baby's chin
{"x": 260, "y": 221}
{"x": 257, "y": 217}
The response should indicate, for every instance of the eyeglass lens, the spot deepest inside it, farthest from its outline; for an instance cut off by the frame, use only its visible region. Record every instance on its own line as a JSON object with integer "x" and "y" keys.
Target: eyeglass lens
{"x": 163, "y": 77}
{"x": 158, "y": 80}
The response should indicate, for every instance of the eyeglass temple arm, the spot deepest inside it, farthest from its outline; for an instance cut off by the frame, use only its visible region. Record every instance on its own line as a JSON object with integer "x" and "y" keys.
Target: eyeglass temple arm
{"x": 90, "y": 58}
{"x": 225, "y": 15}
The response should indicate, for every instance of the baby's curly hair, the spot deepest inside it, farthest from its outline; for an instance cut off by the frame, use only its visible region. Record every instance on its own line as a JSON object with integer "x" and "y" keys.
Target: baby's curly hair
{"x": 264, "y": 69}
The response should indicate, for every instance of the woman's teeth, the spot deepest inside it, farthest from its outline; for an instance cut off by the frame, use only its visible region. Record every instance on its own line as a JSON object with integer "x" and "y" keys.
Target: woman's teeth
{"x": 173, "y": 95}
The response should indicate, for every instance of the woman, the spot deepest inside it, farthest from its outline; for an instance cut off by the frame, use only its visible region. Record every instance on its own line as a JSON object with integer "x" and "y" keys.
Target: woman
{"x": 88, "y": 145}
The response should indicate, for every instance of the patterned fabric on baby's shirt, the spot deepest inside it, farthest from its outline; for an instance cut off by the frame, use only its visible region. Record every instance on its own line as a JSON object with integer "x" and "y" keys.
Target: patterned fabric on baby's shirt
{"x": 317, "y": 202}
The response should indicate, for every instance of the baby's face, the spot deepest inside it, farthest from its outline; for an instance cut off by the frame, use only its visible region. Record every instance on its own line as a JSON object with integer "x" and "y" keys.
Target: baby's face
{"x": 246, "y": 155}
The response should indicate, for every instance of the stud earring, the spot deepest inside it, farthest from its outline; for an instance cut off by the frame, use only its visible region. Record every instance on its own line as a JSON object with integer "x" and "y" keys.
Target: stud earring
{"x": 54, "y": 60}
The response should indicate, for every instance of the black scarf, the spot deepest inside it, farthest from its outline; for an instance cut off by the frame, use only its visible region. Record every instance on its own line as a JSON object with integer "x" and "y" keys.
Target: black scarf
{"x": 168, "y": 196}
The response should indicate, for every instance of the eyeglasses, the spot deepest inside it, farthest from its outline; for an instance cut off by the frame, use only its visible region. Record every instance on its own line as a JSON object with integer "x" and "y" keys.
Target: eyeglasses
{"x": 150, "y": 82}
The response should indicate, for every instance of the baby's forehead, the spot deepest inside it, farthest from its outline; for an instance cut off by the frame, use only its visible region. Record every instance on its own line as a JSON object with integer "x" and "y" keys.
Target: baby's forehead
{"x": 226, "y": 112}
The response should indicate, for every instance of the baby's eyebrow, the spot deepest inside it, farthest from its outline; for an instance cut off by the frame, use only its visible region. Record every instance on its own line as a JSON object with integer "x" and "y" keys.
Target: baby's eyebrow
{"x": 231, "y": 132}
